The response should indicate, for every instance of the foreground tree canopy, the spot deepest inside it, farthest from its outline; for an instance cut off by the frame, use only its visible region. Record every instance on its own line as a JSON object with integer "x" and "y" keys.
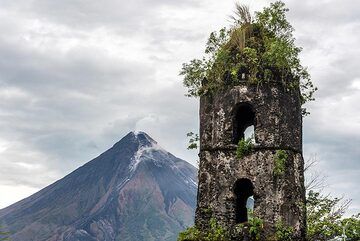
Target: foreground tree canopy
{"x": 326, "y": 221}
{"x": 254, "y": 50}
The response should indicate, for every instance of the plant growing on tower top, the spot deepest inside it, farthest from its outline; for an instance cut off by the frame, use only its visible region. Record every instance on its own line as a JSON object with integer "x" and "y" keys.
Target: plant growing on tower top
{"x": 255, "y": 50}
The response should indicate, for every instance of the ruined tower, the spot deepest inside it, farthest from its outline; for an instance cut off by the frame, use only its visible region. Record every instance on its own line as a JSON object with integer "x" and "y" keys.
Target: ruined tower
{"x": 272, "y": 172}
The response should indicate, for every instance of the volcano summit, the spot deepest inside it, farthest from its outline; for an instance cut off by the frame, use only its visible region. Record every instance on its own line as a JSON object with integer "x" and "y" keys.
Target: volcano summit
{"x": 132, "y": 192}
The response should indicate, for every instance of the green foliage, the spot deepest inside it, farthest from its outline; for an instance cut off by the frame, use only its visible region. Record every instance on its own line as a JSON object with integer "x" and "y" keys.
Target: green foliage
{"x": 190, "y": 234}
{"x": 208, "y": 211}
{"x": 193, "y": 140}
{"x": 283, "y": 233}
{"x": 255, "y": 50}
{"x": 256, "y": 227}
{"x": 325, "y": 219}
{"x": 244, "y": 147}
{"x": 279, "y": 162}
{"x": 351, "y": 227}
{"x": 194, "y": 73}
{"x": 214, "y": 233}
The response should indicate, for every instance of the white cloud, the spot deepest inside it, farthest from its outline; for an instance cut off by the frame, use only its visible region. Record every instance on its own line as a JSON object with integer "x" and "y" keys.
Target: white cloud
{"x": 14, "y": 193}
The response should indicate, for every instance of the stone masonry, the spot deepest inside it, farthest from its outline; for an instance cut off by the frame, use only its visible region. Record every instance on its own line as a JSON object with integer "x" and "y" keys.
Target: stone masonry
{"x": 225, "y": 181}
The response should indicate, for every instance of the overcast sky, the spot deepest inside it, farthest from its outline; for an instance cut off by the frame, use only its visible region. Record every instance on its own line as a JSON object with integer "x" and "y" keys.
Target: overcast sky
{"x": 77, "y": 75}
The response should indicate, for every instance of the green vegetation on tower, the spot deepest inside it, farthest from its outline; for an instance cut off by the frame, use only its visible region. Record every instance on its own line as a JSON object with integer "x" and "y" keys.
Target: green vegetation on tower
{"x": 254, "y": 50}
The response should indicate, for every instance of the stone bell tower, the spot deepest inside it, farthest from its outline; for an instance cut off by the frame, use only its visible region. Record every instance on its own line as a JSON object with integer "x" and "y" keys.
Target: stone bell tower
{"x": 226, "y": 181}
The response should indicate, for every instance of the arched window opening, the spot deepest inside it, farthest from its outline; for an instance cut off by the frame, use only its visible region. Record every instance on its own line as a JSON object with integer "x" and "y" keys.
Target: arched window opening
{"x": 244, "y": 192}
{"x": 244, "y": 117}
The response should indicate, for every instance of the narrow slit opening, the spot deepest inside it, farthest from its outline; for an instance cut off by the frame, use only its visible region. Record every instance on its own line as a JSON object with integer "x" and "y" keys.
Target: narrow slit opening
{"x": 244, "y": 201}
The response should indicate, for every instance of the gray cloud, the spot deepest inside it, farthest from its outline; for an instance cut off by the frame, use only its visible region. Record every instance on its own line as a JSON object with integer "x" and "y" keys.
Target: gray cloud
{"x": 127, "y": 17}
{"x": 329, "y": 33}
{"x": 75, "y": 76}
{"x": 325, "y": 13}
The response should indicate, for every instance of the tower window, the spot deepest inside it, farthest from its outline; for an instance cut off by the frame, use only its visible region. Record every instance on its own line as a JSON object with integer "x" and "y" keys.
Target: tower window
{"x": 244, "y": 191}
{"x": 243, "y": 122}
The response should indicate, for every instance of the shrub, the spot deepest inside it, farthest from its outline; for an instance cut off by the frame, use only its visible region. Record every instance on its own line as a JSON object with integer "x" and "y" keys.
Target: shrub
{"x": 193, "y": 140}
{"x": 190, "y": 234}
{"x": 256, "y": 227}
{"x": 244, "y": 147}
{"x": 283, "y": 233}
{"x": 280, "y": 162}
{"x": 214, "y": 233}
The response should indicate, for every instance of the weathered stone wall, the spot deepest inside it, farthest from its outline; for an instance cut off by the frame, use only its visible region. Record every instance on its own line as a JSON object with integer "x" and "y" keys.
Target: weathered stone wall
{"x": 278, "y": 126}
{"x": 278, "y": 121}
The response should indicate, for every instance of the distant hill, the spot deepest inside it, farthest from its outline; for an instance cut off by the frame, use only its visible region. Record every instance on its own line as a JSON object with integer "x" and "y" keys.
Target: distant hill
{"x": 134, "y": 191}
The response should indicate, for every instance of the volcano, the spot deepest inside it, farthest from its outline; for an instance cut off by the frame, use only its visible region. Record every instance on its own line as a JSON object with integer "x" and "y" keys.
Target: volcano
{"x": 134, "y": 191}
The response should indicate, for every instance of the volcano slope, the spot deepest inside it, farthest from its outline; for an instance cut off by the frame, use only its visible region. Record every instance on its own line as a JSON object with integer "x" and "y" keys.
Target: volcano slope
{"x": 132, "y": 192}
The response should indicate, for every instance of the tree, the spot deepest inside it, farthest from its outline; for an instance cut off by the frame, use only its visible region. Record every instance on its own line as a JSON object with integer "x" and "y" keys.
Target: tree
{"x": 254, "y": 50}
{"x": 325, "y": 219}
{"x": 314, "y": 180}
{"x": 325, "y": 214}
